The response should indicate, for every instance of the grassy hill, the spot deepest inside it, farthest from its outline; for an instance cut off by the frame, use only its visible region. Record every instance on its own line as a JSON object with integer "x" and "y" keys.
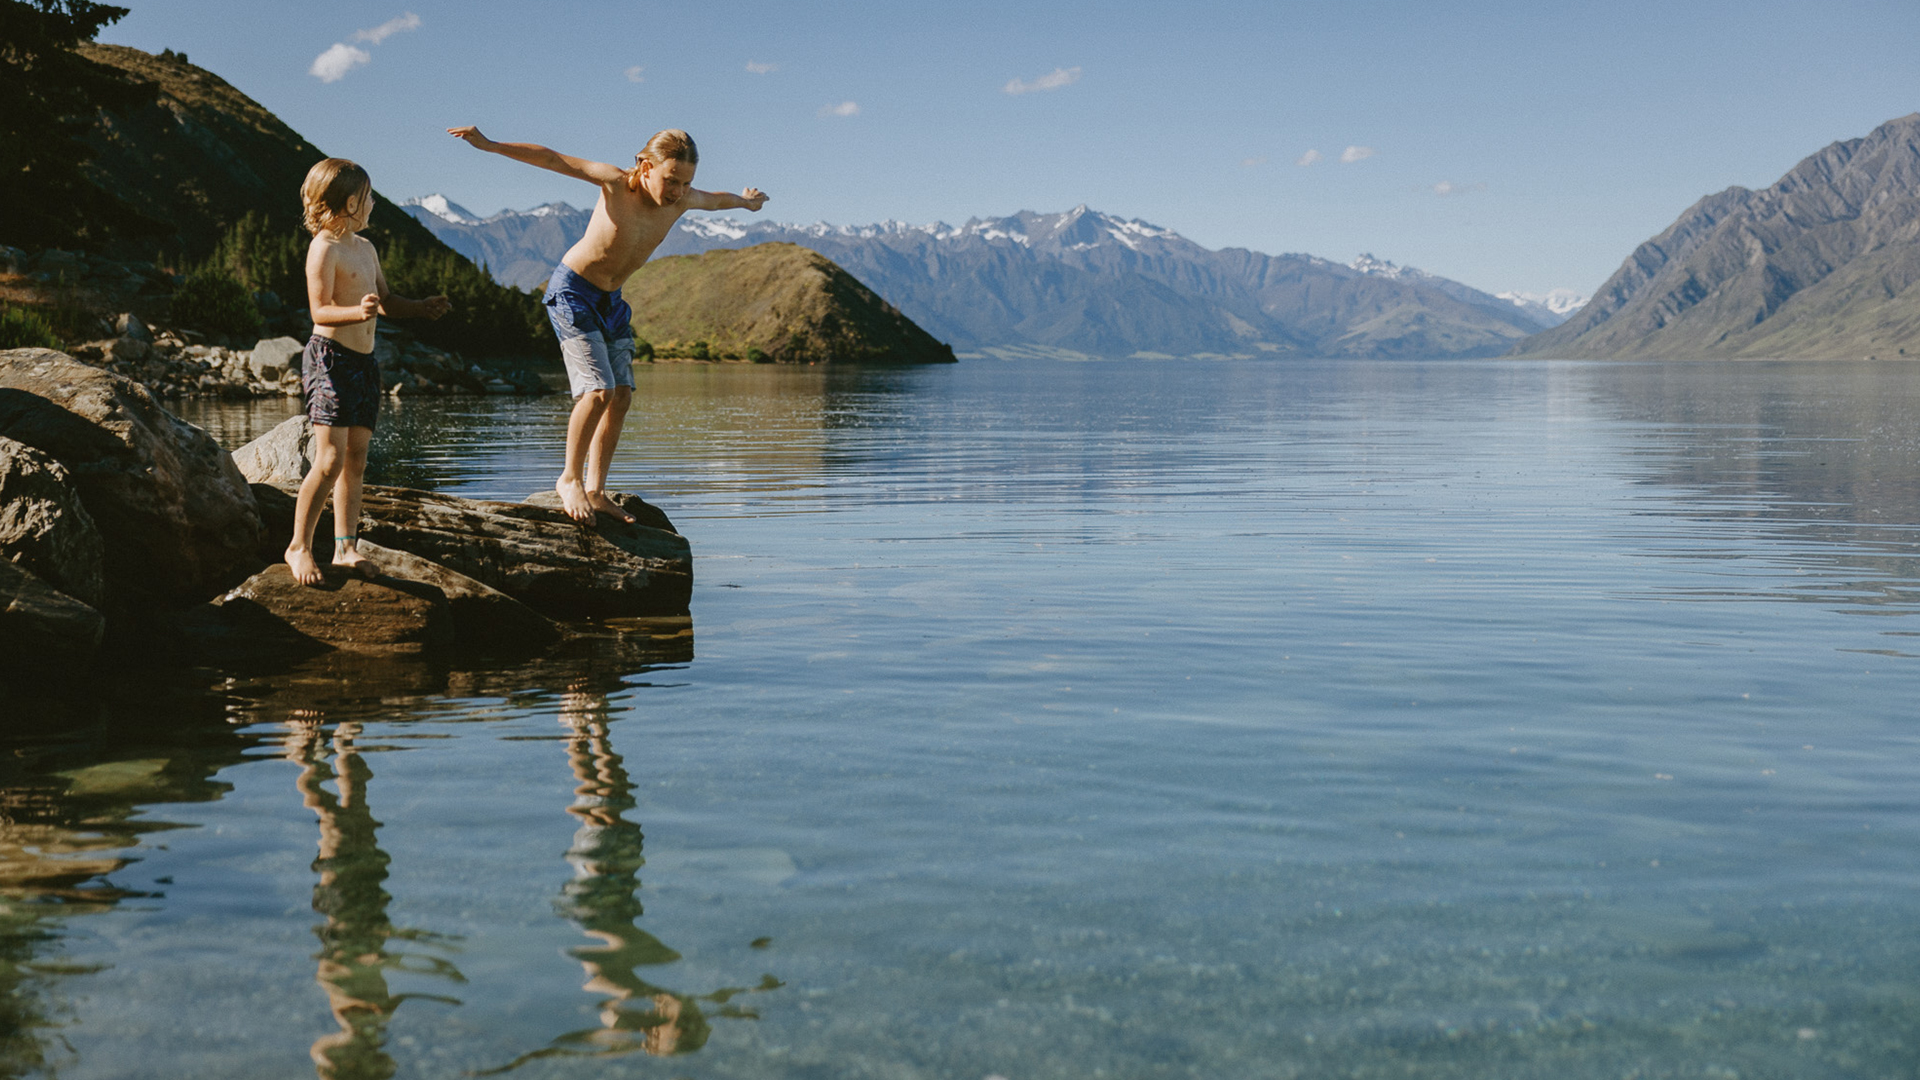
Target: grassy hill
{"x": 775, "y": 302}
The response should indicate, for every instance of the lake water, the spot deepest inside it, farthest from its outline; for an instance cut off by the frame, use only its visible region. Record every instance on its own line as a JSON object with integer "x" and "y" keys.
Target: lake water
{"x": 1482, "y": 719}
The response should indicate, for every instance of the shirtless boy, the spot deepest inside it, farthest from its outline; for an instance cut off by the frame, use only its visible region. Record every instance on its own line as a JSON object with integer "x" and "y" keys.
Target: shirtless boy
{"x": 346, "y": 293}
{"x": 635, "y": 210}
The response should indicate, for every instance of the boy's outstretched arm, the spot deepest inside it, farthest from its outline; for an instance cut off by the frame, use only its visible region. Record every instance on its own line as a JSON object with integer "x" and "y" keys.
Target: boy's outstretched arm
{"x": 750, "y": 199}
{"x": 593, "y": 172}
{"x": 399, "y": 307}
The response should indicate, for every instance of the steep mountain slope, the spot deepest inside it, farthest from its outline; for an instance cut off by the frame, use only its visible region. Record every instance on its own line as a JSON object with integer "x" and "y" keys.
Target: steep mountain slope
{"x": 201, "y": 155}
{"x": 1823, "y": 264}
{"x": 777, "y": 302}
{"x": 1092, "y": 283}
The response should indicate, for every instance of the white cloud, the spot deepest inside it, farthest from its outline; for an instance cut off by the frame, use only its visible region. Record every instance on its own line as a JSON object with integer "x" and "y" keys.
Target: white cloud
{"x": 340, "y": 58}
{"x": 333, "y": 65}
{"x": 1448, "y": 187}
{"x": 759, "y": 68}
{"x": 845, "y": 108}
{"x": 634, "y": 74}
{"x": 387, "y": 29}
{"x": 1248, "y": 163}
{"x": 1355, "y": 153}
{"x": 1311, "y": 157}
{"x": 1058, "y": 78}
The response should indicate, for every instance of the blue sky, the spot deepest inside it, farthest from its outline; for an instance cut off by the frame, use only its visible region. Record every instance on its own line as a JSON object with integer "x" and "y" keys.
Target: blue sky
{"x": 1509, "y": 146}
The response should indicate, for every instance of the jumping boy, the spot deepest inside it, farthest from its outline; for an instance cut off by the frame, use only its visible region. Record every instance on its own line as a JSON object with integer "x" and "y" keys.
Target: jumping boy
{"x": 346, "y": 293}
{"x": 635, "y": 210}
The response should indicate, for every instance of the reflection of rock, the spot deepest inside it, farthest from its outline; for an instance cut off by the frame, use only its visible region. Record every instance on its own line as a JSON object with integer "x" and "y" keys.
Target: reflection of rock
{"x": 536, "y": 555}
{"x": 281, "y": 456}
{"x": 43, "y": 526}
{"x": 176, "y": 517}
{"x": 43, "y": 632}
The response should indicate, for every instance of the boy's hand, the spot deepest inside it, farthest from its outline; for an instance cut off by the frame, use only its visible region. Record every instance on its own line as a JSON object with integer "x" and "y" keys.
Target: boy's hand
{"x": 369, "y": 305}
{"x": 754, "y": 198}
{"x": 437, "y": 306}
{"x": 471, "y": 136}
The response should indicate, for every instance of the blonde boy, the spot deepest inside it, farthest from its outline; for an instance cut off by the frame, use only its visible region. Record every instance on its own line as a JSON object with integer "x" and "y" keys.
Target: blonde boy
{"x": 346, "y": 293}
{"x": 635, "y": 210}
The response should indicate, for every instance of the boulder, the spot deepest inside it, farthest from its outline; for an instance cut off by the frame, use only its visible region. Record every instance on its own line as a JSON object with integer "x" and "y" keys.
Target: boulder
{"x": 540, "y": 556}
{"x": 129, "y": 325}
{"x": 44, "y": 633}
{"x": 177, "y": 520}
{"x": 130, "y": 349}
{"x": 43, "y": 526}
{"x": 281, "y": 456}
{"x": 272, "y": 613}
{"x": 273, "y": 357}
{"x": 483, "y": 617}
{"x": 644, "y": 513}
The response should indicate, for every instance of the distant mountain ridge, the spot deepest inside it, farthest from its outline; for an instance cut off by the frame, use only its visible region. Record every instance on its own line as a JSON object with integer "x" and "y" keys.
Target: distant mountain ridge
{"x": 1823, "y": 264}
{"x": 1079, "y": 281}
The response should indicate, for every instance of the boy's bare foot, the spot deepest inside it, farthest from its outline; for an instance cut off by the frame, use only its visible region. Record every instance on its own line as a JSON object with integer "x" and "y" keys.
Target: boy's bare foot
{"x": 600, "y": 502}
{"x": 305, "y": 570}
{"x": 350, "y": 560}
{"x": 573, "y": 499}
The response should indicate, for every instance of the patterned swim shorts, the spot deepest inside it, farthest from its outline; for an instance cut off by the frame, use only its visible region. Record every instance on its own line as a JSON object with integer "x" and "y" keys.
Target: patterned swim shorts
{"x": 342, "y": 387}
{"x": 595, "y": 328}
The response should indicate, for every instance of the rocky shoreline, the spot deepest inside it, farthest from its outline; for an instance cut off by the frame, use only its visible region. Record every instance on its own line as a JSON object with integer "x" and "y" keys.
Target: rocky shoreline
{"x": 127, "y": 532}
{"x": 179, "y": 362}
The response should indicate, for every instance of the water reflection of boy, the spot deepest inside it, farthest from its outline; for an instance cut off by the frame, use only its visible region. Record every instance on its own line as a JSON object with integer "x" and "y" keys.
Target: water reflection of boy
{"x": 606, "y": 857}
{"x": 353, "y": 955}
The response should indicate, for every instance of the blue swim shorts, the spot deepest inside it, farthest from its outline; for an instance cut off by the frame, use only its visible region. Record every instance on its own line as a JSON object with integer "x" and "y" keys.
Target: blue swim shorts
{"x": 595, "y": 328}
{"x": 342, "y": 387}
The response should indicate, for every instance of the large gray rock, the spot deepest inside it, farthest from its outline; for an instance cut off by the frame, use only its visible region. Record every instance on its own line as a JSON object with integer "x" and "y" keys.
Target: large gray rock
{"x": 177, "y": 520}
{"x": 281, "y": 457}
{"x": 270, "y": 612}
{"x": 483, "y": 617}
{"x": 540, "y": 556}
{"x": 272, "y": 357}
{"x": 44, "y": 633}
{"x": 43, "y": 526}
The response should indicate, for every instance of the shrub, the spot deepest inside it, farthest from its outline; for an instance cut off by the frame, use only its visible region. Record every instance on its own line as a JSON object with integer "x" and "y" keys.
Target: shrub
{"x": 213, "y": 300}
{"x": 24, "y": 329}
{"x": 756, "y": 355}
{"x": 642, "y": 351}
{"x": 700, "y": 351}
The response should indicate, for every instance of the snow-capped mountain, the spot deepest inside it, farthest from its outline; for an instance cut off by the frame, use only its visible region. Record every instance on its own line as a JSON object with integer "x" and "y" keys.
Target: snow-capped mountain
{"x": 518, "y": 247}
{"x": 1551, "y": 308}
{"x": 1081, "y": 280}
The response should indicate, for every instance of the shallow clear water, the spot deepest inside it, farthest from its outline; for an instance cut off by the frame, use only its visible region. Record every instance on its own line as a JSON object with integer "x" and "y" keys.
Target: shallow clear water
{"x": 1046, "y": 720}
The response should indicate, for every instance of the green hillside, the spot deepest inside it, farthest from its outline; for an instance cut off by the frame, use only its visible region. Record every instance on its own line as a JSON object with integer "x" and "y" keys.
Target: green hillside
{"x": 778, "y": 302}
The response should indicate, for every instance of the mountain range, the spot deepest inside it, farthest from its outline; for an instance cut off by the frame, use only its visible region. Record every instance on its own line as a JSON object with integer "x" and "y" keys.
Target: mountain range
{"x": 1078, "y": 282}
{"x": 1823, "y": 264}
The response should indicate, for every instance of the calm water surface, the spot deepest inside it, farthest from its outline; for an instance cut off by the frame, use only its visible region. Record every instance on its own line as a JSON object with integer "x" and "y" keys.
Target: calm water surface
{"x": 1499, "y": 719}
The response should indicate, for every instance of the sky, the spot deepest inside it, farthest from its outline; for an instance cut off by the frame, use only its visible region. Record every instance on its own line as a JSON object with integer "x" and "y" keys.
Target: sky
{"x": 1510, "y": 146}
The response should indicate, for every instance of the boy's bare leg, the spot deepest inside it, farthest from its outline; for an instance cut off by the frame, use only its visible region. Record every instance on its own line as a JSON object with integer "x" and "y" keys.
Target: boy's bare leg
{"x": 581, "y": 427}
{"x": 606, "y": 439}
{"x": 346, "y": 502}
{"x": 329, "y": 458}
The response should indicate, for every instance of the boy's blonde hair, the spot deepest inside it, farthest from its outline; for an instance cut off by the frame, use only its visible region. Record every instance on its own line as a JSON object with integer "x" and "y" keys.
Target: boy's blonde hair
{"x": 331, "y": 185}
{"x": 669, "y": 145}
